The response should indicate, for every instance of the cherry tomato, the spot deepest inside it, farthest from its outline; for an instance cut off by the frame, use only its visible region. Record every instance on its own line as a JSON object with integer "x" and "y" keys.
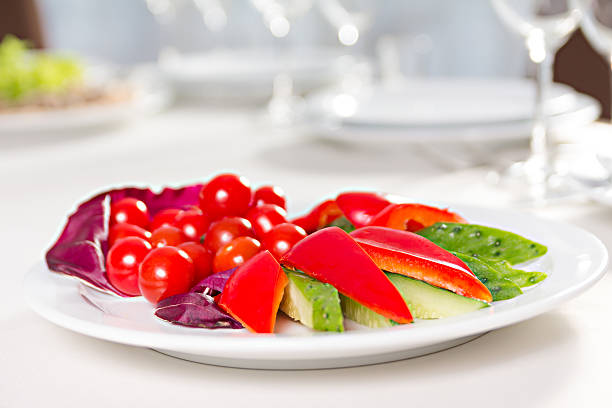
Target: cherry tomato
{"x": 235, "y": 253}
{"x": 123, "y": 230}
{"x": 131, "y": 211}
{"x": 266, "y": 216}
{"x": 224, "y": 231}
{"x": 202, "y": 259}
{"x": 193, "y": 223}
{"x": 122, "y": 263}
{"x": 167, "y": 235}
{"x": 165, "y": 271}
{"x": 225, "y": 195}
{"x": 166, "y": 216}
{"x": 282, "y": 238}
{"x": 270, "y": 195}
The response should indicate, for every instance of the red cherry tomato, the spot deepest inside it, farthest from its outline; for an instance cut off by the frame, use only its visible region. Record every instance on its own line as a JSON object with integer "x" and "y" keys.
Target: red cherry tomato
{"x": 165, "y": 271}
{"x": 131, "y": 211}
{"x": 224, "y": 231}
{"x": 163, "y": 217}
{"x": 235, "y": 253}
{"x": 193, "y": 223}
{"x": 167, "y": 235}
{"x": 202, "y": 259}
{"x": 122, "y": 263}
{"x": 282, "y": 238}
{"x": 266, "y": 216}
{"x": 270, "y": 195}
{"x": 225, "y": 195}
{"x": 123, "y": 230}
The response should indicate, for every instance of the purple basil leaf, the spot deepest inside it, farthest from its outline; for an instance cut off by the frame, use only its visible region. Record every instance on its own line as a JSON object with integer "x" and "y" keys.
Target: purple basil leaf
{"x": 195, "y": 310}
{"x": 81, "y": 249}
{"x": 215, "y": 282}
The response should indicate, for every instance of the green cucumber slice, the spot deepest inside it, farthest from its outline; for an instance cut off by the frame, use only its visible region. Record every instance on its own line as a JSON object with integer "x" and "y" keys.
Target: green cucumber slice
{"x": 314, "y": 304}
{"x": 500, "y": 287}
{"x": 364, "y": 315}
{"x": 424, "y": 301}
{"x": 483, "y": 242}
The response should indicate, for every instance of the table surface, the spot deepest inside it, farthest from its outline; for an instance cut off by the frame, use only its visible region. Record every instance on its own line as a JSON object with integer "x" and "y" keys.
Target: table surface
{"x": 558, "y": 359}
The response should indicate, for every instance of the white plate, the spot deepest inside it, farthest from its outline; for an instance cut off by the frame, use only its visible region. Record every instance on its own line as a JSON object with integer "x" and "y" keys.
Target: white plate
{"x": 248, "y": 74}
{"x": 575, "y": 261}
{"x": 442, "y": 110}
{"x": 149, "y": 96}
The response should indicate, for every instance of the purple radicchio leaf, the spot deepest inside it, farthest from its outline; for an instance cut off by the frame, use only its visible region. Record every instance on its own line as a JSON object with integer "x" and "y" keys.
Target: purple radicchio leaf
{"x": 81, "y": 249}
{"x": 195, "y": 310}
{"x": 214, "y": 283}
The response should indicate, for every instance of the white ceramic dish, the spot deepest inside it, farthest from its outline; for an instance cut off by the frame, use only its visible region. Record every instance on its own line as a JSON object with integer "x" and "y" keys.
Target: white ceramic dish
{"x": 442, "y": 110}
{"x": 247, "y": 74}
{"x": 575, "y": 261}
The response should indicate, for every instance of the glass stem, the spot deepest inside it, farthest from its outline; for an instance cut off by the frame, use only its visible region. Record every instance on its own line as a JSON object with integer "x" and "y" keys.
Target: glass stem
{"x": 610, "y": 78}
{"x": 539, "y": 133}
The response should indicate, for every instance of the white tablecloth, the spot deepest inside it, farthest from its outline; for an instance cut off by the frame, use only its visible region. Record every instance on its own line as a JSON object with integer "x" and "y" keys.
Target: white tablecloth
{"x": 559, "y": 359}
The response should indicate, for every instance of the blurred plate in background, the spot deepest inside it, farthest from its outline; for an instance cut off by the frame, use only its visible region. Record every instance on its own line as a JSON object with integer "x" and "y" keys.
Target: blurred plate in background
{"x": 139, "y": 92}
{"x": 246, "y": 75}
{"x": 442, "y": 109}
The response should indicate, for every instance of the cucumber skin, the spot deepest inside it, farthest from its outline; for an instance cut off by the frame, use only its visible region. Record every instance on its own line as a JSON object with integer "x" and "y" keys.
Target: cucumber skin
{"x": 483, "y": 242}
{"x": 500, "y": 287}
{"x": 405, "y": 286}
{"x": 326, "y": 311}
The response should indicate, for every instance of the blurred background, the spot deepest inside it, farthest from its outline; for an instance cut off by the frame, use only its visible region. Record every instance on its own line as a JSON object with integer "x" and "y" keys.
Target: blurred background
{"x": 510, "y": 85}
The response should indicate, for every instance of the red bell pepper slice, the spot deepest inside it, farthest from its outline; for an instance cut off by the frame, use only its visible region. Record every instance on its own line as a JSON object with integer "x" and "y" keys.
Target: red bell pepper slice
{"x": 413, "y": 217}
{"x": 320, "y": 216}
{"x": 254, "y": 292}
{"x": 332, "y": 256}
{"x": 410, "y": 254}
{"x": 361, "y": 207}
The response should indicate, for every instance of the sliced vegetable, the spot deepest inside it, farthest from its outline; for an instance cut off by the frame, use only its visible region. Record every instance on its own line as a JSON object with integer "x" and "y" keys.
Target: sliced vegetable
{"x": 483, "y": 242}
{"x": 518, "y": 276}
{"x": 424, "y": 300}
{"x": 413, "y": 217}
{"x": 360, "y": 207}
{"x": 214, "y": 283}
{"x": 320, "y": 216}
{"x": 364, "y": 315}
{"x": 254, "y": 292}
{"x": 344, "y": 224}
{"x": 409, "y": 254}
{"x": 430, "y": 302}
{"x": 195, "y": 310}
{"x": 332, "y": 256}
{"x": 81, "y": 249}
{"x": 500, "y": 287}
{"x": 315, "y": 304}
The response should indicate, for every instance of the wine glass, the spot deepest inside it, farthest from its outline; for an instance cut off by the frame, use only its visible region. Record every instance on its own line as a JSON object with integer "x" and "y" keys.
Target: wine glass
{"x": 278, "y": 16}
{"x": 348, "y": 17}
{"x": 597, "y": 26}
{"x": 545, "y": 25}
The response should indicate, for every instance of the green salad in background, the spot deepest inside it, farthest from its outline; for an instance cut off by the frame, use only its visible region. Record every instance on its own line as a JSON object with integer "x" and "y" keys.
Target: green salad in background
{"x": 27, "y": 75}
